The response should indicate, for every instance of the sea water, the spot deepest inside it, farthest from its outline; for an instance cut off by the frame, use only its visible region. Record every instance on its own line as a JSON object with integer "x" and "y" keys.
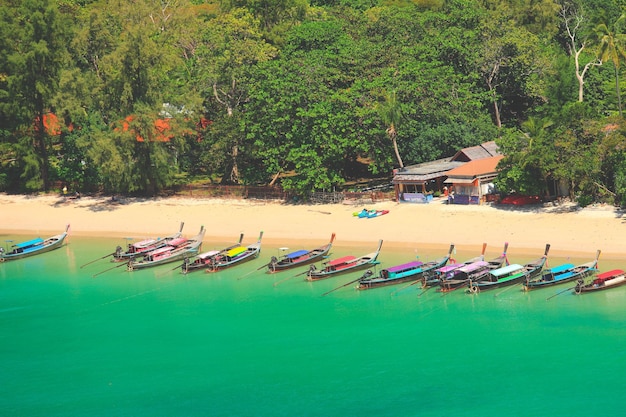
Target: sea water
{"x": 242, "y": 342}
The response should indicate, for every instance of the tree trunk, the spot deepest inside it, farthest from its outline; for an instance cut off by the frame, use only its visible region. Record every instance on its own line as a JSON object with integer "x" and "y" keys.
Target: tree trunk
{"x": 395, "y": 148}
{"x": 581, "y": 84}
{"x": 494, "y": 98}
{"x": 617, "y": 90}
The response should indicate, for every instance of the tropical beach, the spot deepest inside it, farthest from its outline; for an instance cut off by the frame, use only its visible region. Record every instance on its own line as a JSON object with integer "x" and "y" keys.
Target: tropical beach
{"x": 570, "y": 230}
{"x": 244, "y": 342}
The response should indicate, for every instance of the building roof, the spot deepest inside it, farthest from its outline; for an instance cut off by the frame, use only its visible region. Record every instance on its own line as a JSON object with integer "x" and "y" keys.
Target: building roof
{"x": 477, "y": 168}
{"x": 420, "y": 173}
{"x": 426, "y": 171}
{"x": 484, "y": 150}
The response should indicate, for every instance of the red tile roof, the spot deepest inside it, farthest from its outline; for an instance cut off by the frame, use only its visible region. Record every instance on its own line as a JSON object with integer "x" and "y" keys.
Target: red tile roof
{"x": 476, "y": 167}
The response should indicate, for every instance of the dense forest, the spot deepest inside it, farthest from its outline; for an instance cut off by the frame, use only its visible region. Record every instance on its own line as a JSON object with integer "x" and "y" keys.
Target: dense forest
{"x": 138, "y": 96}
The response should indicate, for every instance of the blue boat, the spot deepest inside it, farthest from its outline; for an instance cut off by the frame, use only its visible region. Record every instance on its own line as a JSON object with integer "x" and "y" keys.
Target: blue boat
{"x": 33, "y": 247}
{"x": 563, "y": 273}
{"x": 299, "y": 257}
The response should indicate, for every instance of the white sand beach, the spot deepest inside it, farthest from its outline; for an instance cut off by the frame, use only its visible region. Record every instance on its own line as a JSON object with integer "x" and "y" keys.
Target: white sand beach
{"x": 570, "y": 231}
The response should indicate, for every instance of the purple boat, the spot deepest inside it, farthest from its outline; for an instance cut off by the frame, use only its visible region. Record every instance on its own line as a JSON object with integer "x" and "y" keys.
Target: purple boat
{"x": 461, "y": 276}
{"x": 411, "y": 271}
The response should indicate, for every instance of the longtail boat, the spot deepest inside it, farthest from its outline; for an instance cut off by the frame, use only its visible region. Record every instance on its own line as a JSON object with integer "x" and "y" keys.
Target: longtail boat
{"x": 299, "y": 257}
{"x": 563, "y": 273}
{"x": 604, "y": 281}
{"x": 411, "y": 271}
{"x": 475, "y": 271}
{"x": 344, "y": 265}
{"x": 510, "y": 275}
{"x": 434, "y": 278}
{"x": 235, "y": 256}
{"x": 33, "y": 247}
{"x": 204, "y": 260}
{"x": 175, "y": 250}
{"x": 460, "y": 277}
{"x": 144, "y": 246}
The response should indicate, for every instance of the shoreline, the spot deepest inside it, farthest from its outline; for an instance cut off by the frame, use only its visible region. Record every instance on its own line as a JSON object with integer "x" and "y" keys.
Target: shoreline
{"x": 569, "y": 230}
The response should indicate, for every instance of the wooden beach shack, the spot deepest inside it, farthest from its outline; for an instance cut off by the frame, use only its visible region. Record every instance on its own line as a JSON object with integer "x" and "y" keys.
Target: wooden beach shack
{"x": 472, "y": 183}
{"x": 417, "y": 183}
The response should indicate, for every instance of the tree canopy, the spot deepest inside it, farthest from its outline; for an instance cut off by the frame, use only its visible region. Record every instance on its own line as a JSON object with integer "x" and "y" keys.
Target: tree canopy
{"x": 146, "y": 95}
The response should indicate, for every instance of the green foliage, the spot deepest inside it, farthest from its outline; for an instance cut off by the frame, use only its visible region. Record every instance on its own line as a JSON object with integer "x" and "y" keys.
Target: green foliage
{"x": 584, "y": 200}
{"x": 301, "y": 92}
{"x": 35, "y": 40}
{"x": 620, "y": 180}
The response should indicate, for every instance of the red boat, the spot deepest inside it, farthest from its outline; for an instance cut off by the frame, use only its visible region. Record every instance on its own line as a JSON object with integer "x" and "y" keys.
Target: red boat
{"x": 603, "y": 281}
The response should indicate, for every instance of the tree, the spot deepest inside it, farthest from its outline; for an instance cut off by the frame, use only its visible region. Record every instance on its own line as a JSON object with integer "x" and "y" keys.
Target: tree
{"x": 34, "y": 62}
{"x": 391, "y": 114}
{"x": 231, "y": 45}
{"x": 574, "y": 21}
{"x": 513, "y": 66}
{"x": 527, "y": 154}
{"x": 613, "y": 48}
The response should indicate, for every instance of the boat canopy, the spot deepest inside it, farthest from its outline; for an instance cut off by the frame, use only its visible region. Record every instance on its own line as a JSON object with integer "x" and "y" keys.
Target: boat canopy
{"x": 208, "y": 254}
{"x": 506, "y": 270}
{"x": 561, "y": 268}
{"x": 563, "y": 276}
{"x": 474, "y": 266}
{"x": 34, "y": 242}
{"x": 146, "y": 242}
{"x": 178, "y": 241}
{"x": 235, "y": 251}
{"x": 608, "y": 275}
{"x": 161, "y": 250}
{"x": 404, "y": 267}
{"x": 449, "y": 268}
{"x": 296, "y": 254}
{"x": 340, "y": 261}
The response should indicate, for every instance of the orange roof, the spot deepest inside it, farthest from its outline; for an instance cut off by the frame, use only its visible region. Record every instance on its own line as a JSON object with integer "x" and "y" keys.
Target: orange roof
{"x": 51, "y": 124}
{"x": 476, "y": 167}
{"x": 161, "y": 127}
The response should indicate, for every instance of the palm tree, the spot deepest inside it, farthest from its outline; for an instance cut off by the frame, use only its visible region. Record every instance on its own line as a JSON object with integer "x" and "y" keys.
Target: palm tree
{"x": 391, "y": 115}
{"x": 613, "y": 48}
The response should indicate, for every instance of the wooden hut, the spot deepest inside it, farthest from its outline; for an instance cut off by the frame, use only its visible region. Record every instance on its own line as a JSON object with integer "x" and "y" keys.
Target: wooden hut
{"x": 472, "y": 182}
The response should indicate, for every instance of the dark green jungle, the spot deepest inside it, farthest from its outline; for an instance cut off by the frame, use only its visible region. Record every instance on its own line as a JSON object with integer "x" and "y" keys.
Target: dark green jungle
{"x": 140, "y": 97}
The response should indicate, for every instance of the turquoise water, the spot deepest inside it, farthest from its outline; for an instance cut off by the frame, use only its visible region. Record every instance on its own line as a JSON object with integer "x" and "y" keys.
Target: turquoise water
{"x": 158, "y": 343}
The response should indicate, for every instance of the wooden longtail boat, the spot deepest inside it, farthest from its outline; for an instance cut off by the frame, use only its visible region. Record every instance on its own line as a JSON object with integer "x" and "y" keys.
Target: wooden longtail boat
{"x": 563, "y": 273}
{"x": 142, "y": 247}
{"x": 510, "y": 275}
{"x": 175, "y": 250}
{"x": 411, "y": 271}
{"x": 604, "y": 281}
{"x": 236, "y": 256}
{"x": 300, "y": 257}
{"x": 343, "y": 265}
{"x": 434, "y": 278}
{"x": 475, "y": 271}
{"x": 205, "y": 259}
{"x": 460, "y": 277}
{"x": 33, "y": 247}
